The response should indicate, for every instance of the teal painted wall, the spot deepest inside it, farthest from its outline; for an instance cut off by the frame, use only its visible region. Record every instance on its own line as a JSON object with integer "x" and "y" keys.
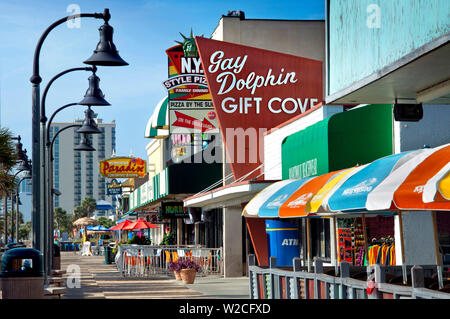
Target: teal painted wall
{"x": 359, "y": 46}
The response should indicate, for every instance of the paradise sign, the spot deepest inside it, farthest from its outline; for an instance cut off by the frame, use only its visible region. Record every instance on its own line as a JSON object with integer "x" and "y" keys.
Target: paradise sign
{"x": 123, "y": 167}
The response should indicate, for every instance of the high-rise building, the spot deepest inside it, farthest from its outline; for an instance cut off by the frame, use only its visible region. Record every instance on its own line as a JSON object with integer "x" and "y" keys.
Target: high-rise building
{"x": 76, "y": 173}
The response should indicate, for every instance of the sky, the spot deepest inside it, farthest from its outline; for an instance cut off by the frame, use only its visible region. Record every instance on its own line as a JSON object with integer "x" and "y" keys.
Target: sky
{"x": 143, "y": 30}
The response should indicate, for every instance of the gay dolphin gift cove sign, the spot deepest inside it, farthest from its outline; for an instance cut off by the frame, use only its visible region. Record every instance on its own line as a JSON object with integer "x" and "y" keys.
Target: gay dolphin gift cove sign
{"x": 254, "y": 90}
{"x": 123, "y": 167}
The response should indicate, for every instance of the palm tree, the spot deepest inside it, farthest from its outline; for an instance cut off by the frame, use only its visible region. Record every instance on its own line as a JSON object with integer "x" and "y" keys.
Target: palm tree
{"x": 89, "y": 205}
{"x": 24, "y": 230}
{"x": 7, "y": 150}
{"x": 60, "y": 216}
{"x": 78, "y": 212}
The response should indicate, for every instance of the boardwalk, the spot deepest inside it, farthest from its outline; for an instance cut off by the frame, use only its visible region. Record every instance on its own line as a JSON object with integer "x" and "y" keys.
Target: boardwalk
{"x": 102, "y": 281}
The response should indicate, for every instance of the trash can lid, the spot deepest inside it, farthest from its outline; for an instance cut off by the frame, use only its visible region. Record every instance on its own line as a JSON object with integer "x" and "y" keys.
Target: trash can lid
{"x": 22, "y": 262}
{"x": 21, "y": 252}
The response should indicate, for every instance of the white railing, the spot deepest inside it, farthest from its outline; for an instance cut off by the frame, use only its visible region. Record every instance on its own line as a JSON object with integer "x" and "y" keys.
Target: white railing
{"x": 146, "y": 261}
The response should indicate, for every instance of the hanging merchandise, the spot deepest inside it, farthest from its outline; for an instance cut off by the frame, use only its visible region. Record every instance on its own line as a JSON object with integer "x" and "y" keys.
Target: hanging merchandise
{"x": 358, "y": 243}
{"x": 382, "y": 252}
{"x": 351, "y": 243}
{"x": 345, "y": 240}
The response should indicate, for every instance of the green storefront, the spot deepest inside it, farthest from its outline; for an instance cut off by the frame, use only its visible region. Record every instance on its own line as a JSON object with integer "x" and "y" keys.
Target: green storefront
{"x": 346, "y": 139}
{"x": 354, "y": 137}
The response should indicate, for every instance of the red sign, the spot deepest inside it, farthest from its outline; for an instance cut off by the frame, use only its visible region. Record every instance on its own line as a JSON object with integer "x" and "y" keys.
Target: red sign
{"x": 123, "y": 167}
{"x": 187, "y": 121}
{"x": 254, "y": 90}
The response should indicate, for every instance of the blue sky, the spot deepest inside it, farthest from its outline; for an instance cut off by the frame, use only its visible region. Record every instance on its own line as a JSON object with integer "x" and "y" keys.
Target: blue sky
{"x": 143, "y": 30}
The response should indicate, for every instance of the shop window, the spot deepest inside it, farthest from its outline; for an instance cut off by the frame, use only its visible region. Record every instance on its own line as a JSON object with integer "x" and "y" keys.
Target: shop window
{"x": 380, "y": 234}
{"x": 320, "y": 233}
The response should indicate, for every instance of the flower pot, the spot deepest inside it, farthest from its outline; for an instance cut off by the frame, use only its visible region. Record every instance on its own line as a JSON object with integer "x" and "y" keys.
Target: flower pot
{"x": 188, "y": 275}
{"x": 177, "y": 275}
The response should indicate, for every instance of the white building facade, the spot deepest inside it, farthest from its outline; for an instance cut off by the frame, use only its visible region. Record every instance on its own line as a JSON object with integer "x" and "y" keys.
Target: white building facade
{"x": 75, "y": 173}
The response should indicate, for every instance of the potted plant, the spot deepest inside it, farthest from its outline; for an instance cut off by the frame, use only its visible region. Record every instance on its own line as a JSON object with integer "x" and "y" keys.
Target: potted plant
{"x": 188, "y": 271}
{"x": 175, "y": 266}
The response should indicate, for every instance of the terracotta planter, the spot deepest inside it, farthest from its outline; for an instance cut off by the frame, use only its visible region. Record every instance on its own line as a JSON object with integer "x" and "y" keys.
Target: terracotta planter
{"x": 177, "y": 275}
{"x": 188, "y": 275}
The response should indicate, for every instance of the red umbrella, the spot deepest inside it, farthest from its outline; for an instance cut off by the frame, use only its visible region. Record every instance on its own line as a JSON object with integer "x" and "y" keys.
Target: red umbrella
{"x": 139, "y": 224}
{"x": 121, "y": 225}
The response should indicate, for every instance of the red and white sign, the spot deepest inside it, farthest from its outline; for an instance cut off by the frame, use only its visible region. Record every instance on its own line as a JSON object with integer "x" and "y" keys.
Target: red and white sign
{"x": 186, "y": 121}
{"x": 254, "y": 90}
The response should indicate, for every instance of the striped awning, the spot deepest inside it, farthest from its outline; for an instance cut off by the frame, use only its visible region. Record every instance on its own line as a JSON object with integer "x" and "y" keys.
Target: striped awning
{"x": 158, "y": 124}
{"x": 417, "y": 180}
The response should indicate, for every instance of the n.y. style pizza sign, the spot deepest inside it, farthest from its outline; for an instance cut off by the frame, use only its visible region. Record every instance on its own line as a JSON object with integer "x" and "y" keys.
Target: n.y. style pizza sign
{"x": 257, "y": 89}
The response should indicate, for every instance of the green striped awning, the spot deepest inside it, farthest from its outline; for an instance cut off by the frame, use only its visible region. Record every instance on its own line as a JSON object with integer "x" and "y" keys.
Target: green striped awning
{"x": 158, "y": 124}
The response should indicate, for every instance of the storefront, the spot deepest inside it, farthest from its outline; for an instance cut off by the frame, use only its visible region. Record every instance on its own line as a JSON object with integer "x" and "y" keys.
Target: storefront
{"x": 245, "y": 111}
{"x": 391, "y": 197}
{"x": 361, "y": 202}
{"x": 343, "y": 140}
{"x": 224, "y": 204}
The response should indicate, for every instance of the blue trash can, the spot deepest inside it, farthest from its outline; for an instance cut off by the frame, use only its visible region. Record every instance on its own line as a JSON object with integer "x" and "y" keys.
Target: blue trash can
{"x": 282, "y": 240}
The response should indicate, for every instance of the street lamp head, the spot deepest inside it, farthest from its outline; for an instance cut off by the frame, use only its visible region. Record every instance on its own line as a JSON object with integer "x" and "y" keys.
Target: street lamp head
{"x": 56, "y": 192}
{"x": 89, "y": 126}
{"x": 106, "y": 53}
{"x": 24, "y": 166}
{"x": 94, "y": 96}
{"x": 20, "y": 154}
{"x": 28, "y": 174}
{"x": 85, "y": 144}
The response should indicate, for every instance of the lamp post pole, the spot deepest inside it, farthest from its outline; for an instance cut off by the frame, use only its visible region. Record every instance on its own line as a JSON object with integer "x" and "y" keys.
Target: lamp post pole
{"x": 17, "y": 204}
{"x": 49, "y": 177}
{"x": 48, "y": 188}
{"x": 105, "y": 54}
{"x": 38, "y": 173}
{"x": 20, "y": 156}
{"x": 47, "y": 206}
{"x": 12, "y": 208}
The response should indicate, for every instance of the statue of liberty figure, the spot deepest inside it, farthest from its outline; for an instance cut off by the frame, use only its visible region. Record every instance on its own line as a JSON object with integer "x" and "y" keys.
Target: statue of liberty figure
{"x": 189, "y": 46}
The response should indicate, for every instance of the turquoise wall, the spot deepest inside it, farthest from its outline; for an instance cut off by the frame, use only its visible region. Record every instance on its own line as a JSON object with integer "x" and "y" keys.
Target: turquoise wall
{"x": 358, "y": 48}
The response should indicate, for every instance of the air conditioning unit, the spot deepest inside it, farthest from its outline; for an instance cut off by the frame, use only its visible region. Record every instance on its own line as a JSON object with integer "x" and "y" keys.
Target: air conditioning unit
{"x": 408, "y": 112}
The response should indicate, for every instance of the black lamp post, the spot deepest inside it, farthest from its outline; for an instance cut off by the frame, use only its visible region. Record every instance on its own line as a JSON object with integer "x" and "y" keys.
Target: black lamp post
{"x": 24, "y": 166}
{"x": 107, "y": 56}
{"x": 50, "y": 190}
{"x": 85, "y": 144}
{"x": 106, "y": 53}
{"x": 95, "y": 97}
{"x": 26, "y": 176}
{"x": 21, "y": 157}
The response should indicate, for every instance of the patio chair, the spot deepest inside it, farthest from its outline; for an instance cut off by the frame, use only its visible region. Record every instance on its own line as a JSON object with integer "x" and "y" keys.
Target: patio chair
{"x": 181, "y": 254}
{"x": 148, "y": 256}
{"x": 174, "y": 256}
{"x": 131, "y": 260}
{"x": 168, "y": 260}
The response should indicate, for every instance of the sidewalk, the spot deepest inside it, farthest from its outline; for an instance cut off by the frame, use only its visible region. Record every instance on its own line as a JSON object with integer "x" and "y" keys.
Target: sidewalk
{"x": 99, "y": 281}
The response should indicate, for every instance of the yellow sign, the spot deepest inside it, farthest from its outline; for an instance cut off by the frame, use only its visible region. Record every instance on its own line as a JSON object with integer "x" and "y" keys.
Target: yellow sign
{"x": 123, "y": 167}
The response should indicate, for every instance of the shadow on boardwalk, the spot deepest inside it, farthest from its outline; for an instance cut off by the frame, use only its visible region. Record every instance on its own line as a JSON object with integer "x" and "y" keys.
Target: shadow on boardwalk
{"x": 100, "y": 281}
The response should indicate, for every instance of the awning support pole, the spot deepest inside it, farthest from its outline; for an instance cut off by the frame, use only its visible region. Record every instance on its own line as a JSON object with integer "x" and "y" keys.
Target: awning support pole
{"x": 336, "y": 246}
{"x": 363, "y": 218}
{"x": 308, "y": 244}
{"x": 438, "y": 254}
{"x": 405, "y": 277}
